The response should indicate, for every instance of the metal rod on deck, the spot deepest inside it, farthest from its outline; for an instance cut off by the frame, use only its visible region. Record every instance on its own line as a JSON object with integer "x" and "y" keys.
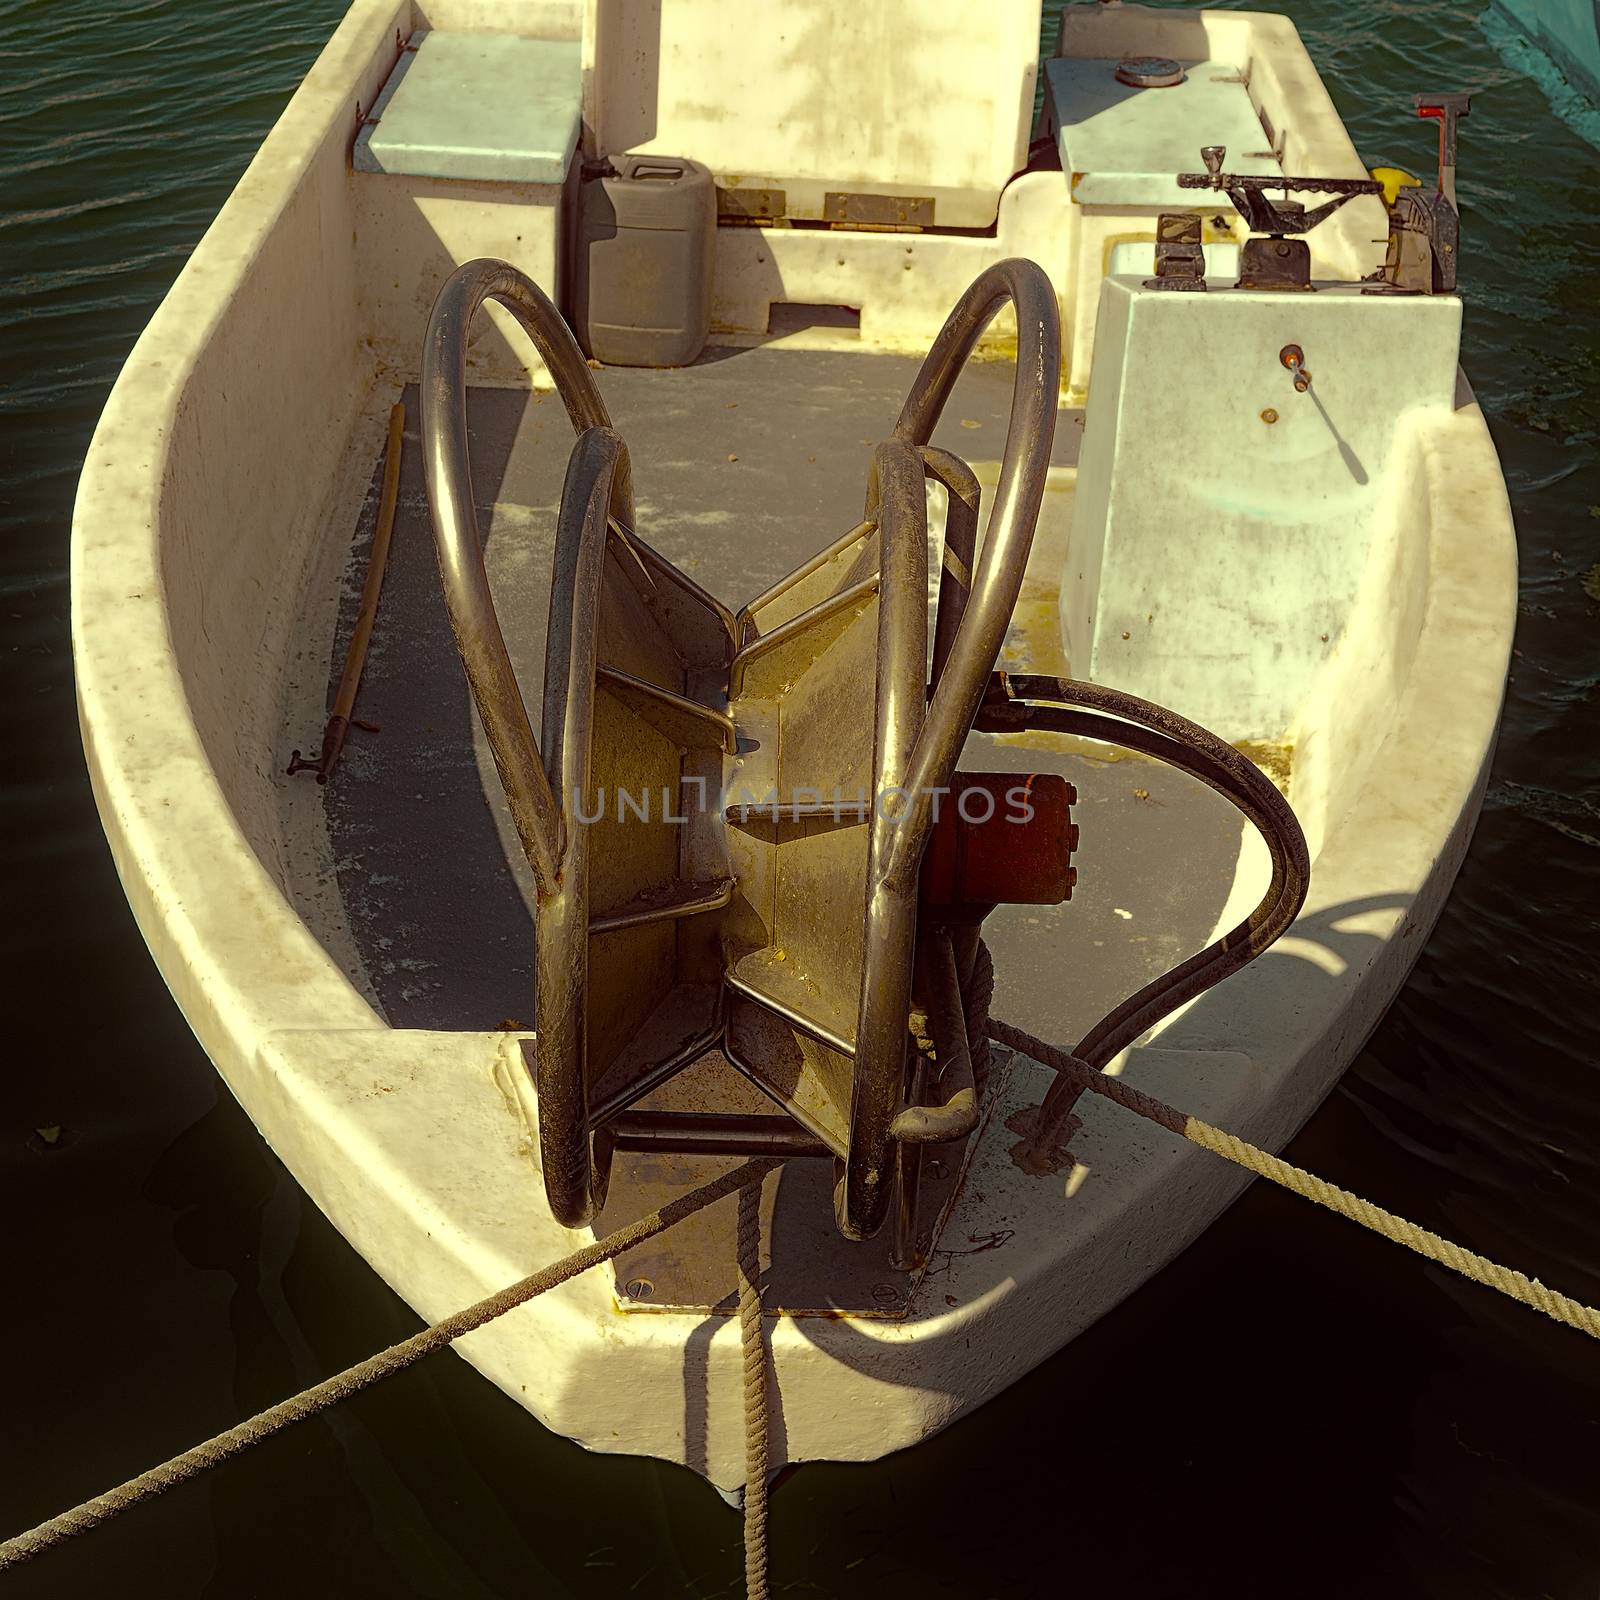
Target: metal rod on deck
{"x": 355, "y": 656}
{"x": 707, "y": 1133}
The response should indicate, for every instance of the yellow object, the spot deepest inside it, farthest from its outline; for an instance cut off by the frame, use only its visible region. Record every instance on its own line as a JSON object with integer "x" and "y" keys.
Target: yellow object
{"x": 1394, "y": 179}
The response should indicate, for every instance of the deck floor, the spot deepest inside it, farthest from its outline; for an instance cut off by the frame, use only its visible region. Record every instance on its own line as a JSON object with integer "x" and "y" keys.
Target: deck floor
{"x": 744, "y": 466}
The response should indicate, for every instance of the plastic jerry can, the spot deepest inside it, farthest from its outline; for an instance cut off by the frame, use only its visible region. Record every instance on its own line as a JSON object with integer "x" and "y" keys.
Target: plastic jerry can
{"x": 647, "y": 230}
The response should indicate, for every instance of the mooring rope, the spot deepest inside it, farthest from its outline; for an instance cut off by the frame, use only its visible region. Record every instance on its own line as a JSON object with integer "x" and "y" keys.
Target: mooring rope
{"x": 309, "y": 1402}
{"x": 755, "y": 1393}
{"x": 1298, "y": 1181}
{"x": 746, "y": 1179}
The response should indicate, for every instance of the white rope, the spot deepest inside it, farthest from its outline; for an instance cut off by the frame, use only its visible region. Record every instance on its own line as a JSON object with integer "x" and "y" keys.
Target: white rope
{"x": 747, "y": 1180}
{"x": 339, "y": 1387}
{"x": 1515, "y": 1285}
{"x": 755, "y": 1394}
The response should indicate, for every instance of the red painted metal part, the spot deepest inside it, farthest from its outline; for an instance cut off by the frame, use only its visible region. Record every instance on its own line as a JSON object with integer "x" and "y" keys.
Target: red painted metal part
{"x": 1001, "y": 838}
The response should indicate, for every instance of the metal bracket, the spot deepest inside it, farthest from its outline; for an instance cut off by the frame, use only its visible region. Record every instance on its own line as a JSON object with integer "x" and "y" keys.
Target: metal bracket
{"x": 1180, "y": 260}
{"x": 1277, "y": 261}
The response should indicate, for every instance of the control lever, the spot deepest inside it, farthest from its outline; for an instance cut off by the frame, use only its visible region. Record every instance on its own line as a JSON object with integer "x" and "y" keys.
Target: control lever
{"x": 1277, "y": 261}
{"x": 1277, "y": 217}
{"x": 1447, "y": 110}
{"x": 1424, "y": 227}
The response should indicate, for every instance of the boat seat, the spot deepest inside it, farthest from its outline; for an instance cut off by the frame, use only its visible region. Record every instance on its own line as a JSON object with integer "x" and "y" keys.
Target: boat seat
{"x": 899, "y": 113}
{"x": 479, "y": 106}
{"x": 1123, "y": 146}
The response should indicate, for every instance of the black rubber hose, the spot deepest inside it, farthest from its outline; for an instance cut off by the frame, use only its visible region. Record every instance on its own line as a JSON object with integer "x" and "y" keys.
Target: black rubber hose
{"x": 1091, "y": 710}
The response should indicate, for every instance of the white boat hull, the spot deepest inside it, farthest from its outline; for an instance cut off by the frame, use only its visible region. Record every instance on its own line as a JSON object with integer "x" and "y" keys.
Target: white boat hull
{"x": 245, "y": 426}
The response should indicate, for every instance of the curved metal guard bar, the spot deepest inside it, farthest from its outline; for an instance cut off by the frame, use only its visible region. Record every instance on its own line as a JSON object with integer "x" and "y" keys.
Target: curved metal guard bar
{"x": 448, "y": 469}
{"x": 916, "y": 752}
{"x": 884, "y": 1000}
{"x": 576, "y": 1167}
{"x": 962, "y": 497}
{"x": 1030, "y": 432}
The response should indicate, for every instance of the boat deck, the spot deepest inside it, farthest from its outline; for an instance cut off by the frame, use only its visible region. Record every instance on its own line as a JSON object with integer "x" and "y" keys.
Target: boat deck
{"x": 744, "y": 466}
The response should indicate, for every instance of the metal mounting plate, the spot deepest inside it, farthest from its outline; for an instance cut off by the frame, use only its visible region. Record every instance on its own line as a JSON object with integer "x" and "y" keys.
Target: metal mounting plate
{"x": 810, "y": 1270}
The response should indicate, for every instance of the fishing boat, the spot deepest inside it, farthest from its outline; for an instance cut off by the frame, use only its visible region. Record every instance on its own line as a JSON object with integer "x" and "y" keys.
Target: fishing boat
{"x": 600, "y": 407}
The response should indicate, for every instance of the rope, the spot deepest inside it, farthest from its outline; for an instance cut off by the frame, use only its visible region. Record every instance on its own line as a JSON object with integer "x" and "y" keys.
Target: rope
{"x": 979, "y": 994}
{"x": 747, "y": 1180}
{"x": 1468, "y": 1263}
{"x": 318, "y": 1398}
{"x": 755, "y": 1394}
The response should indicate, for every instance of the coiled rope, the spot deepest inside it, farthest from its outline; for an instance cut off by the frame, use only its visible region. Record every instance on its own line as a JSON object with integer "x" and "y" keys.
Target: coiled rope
{"x": 318, "y": 1398}
{"x": 755, "y": 1393}
{"x": 1517, "y": 1285}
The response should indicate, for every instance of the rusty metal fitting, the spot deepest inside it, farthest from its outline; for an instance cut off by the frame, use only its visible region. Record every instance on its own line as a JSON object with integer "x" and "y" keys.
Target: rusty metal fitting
{"x": 1001, "y": 838}
{"x": 1294, "y": 358}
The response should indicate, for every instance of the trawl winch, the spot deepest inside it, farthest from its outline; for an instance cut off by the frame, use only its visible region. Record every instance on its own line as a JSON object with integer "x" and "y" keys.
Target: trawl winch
{"x": 813, "y": 907}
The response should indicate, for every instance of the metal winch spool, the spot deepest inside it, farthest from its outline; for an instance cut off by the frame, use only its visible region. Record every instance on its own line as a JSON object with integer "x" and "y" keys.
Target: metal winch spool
{"x": 813, "y": 910}
{"x": 782, "y": 925}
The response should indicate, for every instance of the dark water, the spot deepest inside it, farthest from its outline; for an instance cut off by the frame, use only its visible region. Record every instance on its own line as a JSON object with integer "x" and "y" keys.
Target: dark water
{"x": 1292, "y": 1408}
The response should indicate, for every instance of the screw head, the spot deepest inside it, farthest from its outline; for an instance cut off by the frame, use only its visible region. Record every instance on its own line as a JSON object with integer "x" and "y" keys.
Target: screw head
{"x": 638, "y": 1288}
